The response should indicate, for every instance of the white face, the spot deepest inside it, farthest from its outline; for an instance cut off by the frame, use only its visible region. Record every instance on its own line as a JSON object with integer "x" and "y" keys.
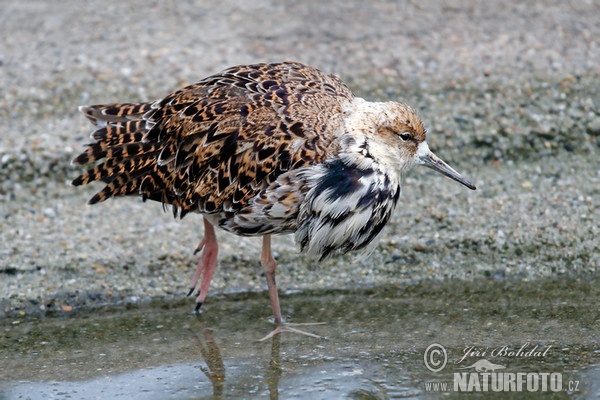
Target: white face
{"x": 422, "y": 152}
{"x": 387, "y": 134}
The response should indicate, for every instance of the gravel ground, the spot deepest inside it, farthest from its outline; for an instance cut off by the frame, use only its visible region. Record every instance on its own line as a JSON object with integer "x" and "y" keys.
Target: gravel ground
{"x": 509, "y": 92}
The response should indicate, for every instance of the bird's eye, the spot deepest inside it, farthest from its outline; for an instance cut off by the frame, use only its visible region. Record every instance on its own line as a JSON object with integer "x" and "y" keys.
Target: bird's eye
{"x": 406, "y": 136}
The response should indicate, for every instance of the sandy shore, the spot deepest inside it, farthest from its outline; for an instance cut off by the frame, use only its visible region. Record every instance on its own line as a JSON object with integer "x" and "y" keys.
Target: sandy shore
{"x": 509, "y": 93}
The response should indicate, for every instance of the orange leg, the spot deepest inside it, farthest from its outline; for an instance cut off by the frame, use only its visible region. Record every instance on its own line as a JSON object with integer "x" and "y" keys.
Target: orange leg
{"x": 207, "y": 265}
{"x": 269, "y": 264}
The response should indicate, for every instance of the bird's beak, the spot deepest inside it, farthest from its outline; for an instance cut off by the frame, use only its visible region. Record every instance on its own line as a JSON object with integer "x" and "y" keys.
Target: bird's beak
{"x": 434, "y": 162}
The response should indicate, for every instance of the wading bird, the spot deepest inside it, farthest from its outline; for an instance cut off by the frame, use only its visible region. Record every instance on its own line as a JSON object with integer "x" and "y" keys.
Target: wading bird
{"x": 260, "y": 150}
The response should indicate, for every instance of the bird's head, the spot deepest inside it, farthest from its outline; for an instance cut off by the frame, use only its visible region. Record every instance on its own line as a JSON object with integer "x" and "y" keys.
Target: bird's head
{"x": 395, "y": 136}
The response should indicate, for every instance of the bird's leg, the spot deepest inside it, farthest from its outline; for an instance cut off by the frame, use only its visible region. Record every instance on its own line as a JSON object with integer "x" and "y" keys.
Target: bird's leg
{"x": 207, "y": 265}
{"x": 269, "y": 264}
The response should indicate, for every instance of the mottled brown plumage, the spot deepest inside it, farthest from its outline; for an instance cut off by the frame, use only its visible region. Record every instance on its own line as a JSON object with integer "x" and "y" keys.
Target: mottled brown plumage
{"x": 212, "y": 146}
{"x": 259, "y": 150}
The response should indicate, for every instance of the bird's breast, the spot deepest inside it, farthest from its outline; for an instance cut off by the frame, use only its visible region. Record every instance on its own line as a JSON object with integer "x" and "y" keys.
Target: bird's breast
{"x": 345, "y": 208}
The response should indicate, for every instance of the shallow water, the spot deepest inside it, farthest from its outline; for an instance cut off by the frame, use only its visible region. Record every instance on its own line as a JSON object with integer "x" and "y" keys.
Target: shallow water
{"x": 375, "y": 344}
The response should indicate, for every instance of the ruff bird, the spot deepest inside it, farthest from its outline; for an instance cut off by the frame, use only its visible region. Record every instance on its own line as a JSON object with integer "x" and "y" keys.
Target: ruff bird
{"x": 260, "y": 150}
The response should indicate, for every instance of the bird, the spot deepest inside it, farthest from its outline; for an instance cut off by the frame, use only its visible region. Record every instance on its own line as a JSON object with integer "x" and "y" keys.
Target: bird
{"x": 261, "y": 150}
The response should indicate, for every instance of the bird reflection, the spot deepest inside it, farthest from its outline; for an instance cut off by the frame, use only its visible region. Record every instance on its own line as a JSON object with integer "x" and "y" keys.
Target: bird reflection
{"x": 212, "y": 356}
{"x": 274, "y": 370}
{"x": 215, "y": 368}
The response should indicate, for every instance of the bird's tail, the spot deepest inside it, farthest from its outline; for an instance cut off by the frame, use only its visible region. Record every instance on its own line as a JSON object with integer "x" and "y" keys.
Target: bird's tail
{"x": 122, "y": 158}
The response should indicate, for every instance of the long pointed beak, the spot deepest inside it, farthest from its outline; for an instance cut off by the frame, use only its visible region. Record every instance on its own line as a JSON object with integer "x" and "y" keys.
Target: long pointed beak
{"x": 434, "y": 162}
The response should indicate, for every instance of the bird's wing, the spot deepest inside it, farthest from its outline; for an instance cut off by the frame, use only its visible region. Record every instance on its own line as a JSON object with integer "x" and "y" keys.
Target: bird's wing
{"x": 214, "y": 145}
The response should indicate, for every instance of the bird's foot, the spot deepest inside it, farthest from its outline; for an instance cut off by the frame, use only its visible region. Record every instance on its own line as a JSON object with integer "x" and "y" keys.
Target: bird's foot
{"x": 200, "y": 246}
{"x": 290, "y": 328}
{"x": 207, "y": 265}
{"x": 198, "y": 302}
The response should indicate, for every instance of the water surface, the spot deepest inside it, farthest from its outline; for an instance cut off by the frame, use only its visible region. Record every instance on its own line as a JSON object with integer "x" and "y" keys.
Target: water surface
{"x": 374, "y": 344}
